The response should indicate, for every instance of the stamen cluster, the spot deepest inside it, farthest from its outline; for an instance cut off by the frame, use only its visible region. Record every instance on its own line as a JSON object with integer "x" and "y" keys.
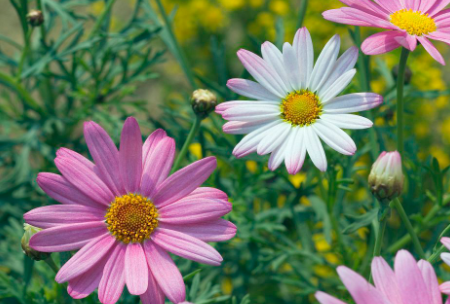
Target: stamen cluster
{"x": 414, "y": 22}
{"x": 301, "y": 108}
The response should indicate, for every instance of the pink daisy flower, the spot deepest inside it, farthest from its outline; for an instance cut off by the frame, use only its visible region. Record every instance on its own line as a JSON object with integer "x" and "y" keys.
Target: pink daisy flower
{"x": 125, "y": 214}
{"x": 409, "y": 283}
{"x": 407, "y": 22}
{"x": 297, "y": 103}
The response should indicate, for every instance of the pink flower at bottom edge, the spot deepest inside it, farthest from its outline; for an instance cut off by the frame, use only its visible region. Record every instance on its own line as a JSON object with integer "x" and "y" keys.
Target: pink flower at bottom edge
{"x": 125, "y": 213}
{"x": 410, "y": 282}
{"x": 407, "y": 22}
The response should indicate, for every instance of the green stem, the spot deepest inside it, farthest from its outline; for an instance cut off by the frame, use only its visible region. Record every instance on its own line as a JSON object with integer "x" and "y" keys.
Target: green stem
{"x": 194, "y": 130}
{"x": 180, "y": 54}
{"x": 380, "y": 235}
{"x": 400, "y": 106}
{"x": 101, "y": 18}
{"x": 401, "y": 212}
{"x": 49, "y": 261}
{"x": 435, "y": 256}
{"x": 302, "y": 13}
{"x": 24, "y": 54}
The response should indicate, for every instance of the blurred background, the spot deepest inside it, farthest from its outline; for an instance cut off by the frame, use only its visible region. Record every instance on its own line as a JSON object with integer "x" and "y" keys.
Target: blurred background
{"x": 106, "y": 60}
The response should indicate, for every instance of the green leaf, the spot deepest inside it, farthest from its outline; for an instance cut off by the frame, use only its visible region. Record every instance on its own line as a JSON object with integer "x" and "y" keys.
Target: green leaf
{"x": 361, "y": 221}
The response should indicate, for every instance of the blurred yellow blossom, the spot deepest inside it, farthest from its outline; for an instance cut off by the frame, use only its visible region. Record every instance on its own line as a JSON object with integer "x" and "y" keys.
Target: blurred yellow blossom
{"x": 196, "y": 150}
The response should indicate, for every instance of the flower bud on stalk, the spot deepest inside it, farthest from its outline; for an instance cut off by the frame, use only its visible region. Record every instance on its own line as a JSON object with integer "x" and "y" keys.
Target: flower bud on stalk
{"x": 30, "y": 252}
{"x": 386, "y": 177}
{"x": 203, "y": 102}
{"x": 35, "y": 18}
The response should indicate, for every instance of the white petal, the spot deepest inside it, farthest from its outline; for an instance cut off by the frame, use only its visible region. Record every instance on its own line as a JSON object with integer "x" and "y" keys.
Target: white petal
{"x": 278, "y": 155}
{"x": 335, "y": 137}
{"x": 252, "y": 113}
{"x": 305, "y": 55}
{"x": 251, "y": 89}
{"x": 315, "y": 149}
{"x": 352, "y": 103}
{"x": 291, "y": 66}
{"x": 222, "y": 107}
{"x": 272, "y": 55}
{"x": 239, "y": 127}
{"x": 249, "y": 143}
{"x": 262, "y": 72}
{"x": 445, "y": 256}
{"x": 347, "y": 121}
{"x": 338, "y": 86}
{"x": 296, "y": 151}
{"x": 273, "y": 139}
{"x": 345, "y": 63}
{"x": 325, "y": 63}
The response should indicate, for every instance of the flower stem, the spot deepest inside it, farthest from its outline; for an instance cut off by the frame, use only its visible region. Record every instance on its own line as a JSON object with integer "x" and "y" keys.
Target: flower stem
{"x": 101, "y": 18}
{"x": 302, "y": 13}
{"x": 400, "y": 106}
{"x": 380, "y": 235}
{"x": 401, "y": 212}
{"x": 435, "y": 256}
{"x": 49, "y": 261}
{"x": 25, "y": 50}
{"x": 176, "y": 46}
{"x": 194, "y": 130}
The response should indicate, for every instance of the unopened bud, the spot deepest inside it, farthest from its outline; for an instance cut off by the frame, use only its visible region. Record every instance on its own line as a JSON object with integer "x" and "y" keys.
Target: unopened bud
{"x": 203, "y": 102}
{"x": 386, "y": 177}
{"x": 30, "y": 252}
{"x": 35, "y": 18}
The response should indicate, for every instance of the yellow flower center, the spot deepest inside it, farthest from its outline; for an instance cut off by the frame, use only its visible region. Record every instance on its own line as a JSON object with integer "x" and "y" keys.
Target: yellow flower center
{"x": 131, "y": 218}
{"x": 414, "y": 22}
{"x": 301, "y": 108}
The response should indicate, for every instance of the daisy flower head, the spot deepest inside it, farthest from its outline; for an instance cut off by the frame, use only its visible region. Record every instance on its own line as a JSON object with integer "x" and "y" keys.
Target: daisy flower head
{"x": 125, "y": 213}
{"x": 297, "y": 103}
{"x": 406, "y": 22}
{"x": 410, "y": 282}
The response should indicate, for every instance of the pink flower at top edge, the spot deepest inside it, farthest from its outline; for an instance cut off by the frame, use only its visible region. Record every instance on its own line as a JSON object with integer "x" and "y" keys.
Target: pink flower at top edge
{"x": 125, "y": 213}
{"x": 406, "y": 22}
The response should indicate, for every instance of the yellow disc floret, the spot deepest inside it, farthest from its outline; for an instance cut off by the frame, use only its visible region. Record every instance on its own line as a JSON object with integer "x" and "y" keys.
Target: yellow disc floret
{"x": 131, "y": 218}
{"x": 414, "y": 22}
{"x": 301, "y": 108}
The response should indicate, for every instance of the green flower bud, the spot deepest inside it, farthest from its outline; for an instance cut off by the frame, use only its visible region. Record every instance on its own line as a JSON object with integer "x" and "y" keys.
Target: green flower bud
{"x": 35, "y": 18}
{"x": 203, "y": 102}
{"x": 30, "y": 252}
{"x": 386, "y": 177}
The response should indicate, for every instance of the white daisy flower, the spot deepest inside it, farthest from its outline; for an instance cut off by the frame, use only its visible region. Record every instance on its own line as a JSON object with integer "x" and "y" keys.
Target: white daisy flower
{"x": 297, "y": 104}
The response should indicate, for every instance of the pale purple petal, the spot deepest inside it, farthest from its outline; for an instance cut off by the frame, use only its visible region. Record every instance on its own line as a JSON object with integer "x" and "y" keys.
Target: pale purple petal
{"x": 113, "y": 278}
{"x": 56, "y": 215}
{"x": 186, "y": 246}
{"x": 216, "y": 231}
{"x": 130, "y": 155}
{"x": 304, "y": 50}
{"x": 315, "y": 149}
{"x": 352, "y": 103}
{"x": 325, "y": 63}
{"x": 165, "y": 272}
{"x": 446, "y": 242}
{"x": 67, "y": 237}
{"x": 86, "y": 258}
{"x": 184, "y": 181}
{"x": 273, "y": 56}
{"x": 250, "y": 142}
{"x": 347, "y": 121}
{"x": 242, "y": 127}
{"x": 295, "y": 156}
{"x": 136, "y": 269}
{"x": 273, "y": 139}
{"x": 251, "y": 89}
{"x": 338, "y": 86}
{"x": 335, "y": 137}
{"x": 324, "y": 298}
{"x": 291, "y": 66}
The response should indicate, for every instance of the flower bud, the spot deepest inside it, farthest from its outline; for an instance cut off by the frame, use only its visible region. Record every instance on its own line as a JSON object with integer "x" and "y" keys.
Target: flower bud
{"x": 30, "y": 252}
{"x": 203, "y": 102}
{"x": 386, "y": 177}
{"x": 35, "y": 18}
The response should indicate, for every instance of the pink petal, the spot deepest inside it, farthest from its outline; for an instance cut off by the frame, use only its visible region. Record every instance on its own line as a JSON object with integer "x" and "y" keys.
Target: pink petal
{"x": 58, "y": 188}
{"x": 437, "y": 7}
{"x": 136, "y": 269}
{"x": 431, "y": 281}
{"x": 154, "y": 294}
{"x": 431, "y": 49}
{"x": 105, "y": 154}
{"x": 413, "y": 4}
{"x": 64, "y": 152}
{"x": 367, "y": 6}
{"x": 150, "y": 144}
{"x": 441, "y": 36}
{"x": 251, "y": 89}
{"x": 407, "y": 41}
{"x": 409, "y": 278}
{"x": 130, "y": 155}
{"x": 84, "y": 284}
{"x": 389, "y": 5}
{"x": 445, "y": 288}
{"x": 359, "y": 288}
{"x": 192, "y": 211}
{"x": 442, "y": 18}
{"x": 113, "y": 278}
{"x": 86, "y": 258}
{"x": 324, "y": 298}
{"x": 381, "y": 43}
{"x": 186, "y": 246}
{"x": 158, "y": 165}
{"x": 67, "y": 237}
{"x": 84, "y": 179}
{"x": 208, "y": 192}
{"x": 56, "y": 215}
{"x": 184, "y": 181}
{"x": 338, "y": 16}
{"x": 165, "y": 272}
{"x": 216, "y": 231}
{"x": 385, "y": 281}
{"x": 372, "y": 18}
{"x": 446, "y": 242}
